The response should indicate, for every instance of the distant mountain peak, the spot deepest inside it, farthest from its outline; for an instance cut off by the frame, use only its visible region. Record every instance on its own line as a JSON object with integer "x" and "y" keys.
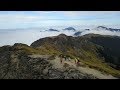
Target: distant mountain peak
{"x": 77, "y": 33}
{"x": 52, "y": 30}
{"x": 109, "y": 29}
{"x": 70, "y": 28}
{"x": 87, "y": 29}
{"x": 102, "y": 27}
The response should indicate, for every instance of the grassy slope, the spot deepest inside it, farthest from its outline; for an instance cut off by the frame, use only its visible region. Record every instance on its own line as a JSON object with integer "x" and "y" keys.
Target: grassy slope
{"x": 90, "y": 59}
{"x": 100, "y": 65}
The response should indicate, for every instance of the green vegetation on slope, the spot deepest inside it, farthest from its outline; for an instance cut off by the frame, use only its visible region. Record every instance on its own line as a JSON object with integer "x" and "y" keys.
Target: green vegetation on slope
{"x": 81, "y": 48}
{"x": 99, "y": 64}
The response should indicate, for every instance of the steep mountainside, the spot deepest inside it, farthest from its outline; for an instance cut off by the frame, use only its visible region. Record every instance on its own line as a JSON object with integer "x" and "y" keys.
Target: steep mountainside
{"x": 110, "y": 44}
{"x": 90, "y": 47}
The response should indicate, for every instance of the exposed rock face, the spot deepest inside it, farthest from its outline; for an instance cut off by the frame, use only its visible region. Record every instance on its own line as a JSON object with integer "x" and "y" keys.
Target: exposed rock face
{"x": 24, "y": 67}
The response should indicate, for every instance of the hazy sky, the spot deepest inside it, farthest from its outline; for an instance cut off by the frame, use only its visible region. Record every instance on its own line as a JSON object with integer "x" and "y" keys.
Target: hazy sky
{"x": 12, "y": 21}
{"x": 26, "y": 19}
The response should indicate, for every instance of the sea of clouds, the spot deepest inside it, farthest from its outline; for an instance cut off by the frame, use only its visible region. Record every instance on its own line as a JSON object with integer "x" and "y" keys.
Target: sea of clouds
{"x": 27, "y": 36}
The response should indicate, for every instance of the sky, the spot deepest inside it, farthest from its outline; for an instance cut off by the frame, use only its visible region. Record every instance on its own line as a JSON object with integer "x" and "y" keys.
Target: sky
{"x": 27, "y": 19}
{"x": 25, "y": 26}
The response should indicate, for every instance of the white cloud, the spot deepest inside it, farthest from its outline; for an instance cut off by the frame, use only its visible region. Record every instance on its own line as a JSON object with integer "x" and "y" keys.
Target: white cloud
{"x": 102, "y": 32}
{"x": 29, "y": 36}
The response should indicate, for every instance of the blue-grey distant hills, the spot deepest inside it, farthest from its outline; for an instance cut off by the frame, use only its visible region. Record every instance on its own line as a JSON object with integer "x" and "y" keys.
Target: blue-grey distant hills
{"x": 99, "y": 29}
{"x": 105, "y": 28}
{"x": 77, "y": 33}
{"x": 53, "y": 30}
{"x": 70, "y": 29}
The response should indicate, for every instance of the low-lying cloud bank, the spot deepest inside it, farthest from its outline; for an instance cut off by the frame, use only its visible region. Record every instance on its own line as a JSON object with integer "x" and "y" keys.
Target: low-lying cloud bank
{"x": 31, "y": 35}
{"x": 102, "y": 32}
{"x": 26, "y": 36}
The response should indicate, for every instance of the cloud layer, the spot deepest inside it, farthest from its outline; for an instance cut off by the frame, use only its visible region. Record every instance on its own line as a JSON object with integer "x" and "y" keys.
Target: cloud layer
{"x": 11, "y": 21}
{"x": 28, "y": 36}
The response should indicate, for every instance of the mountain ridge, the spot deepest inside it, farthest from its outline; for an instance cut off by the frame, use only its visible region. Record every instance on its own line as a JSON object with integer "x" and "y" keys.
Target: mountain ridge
{"x": 91, "y": 50}
{"x": 109, "y": 29}
{"x": 70, "y": 28}
{"x": 90, "y": 39}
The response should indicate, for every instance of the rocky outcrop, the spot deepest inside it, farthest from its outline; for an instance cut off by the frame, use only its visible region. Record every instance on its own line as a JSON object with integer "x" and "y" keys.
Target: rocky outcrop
{"x": 23, "y": 67}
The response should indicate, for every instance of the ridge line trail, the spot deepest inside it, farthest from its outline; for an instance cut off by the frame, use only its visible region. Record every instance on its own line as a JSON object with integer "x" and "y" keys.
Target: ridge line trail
{"x": 86, "y": 70}
{"x": 57, "y": 64}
